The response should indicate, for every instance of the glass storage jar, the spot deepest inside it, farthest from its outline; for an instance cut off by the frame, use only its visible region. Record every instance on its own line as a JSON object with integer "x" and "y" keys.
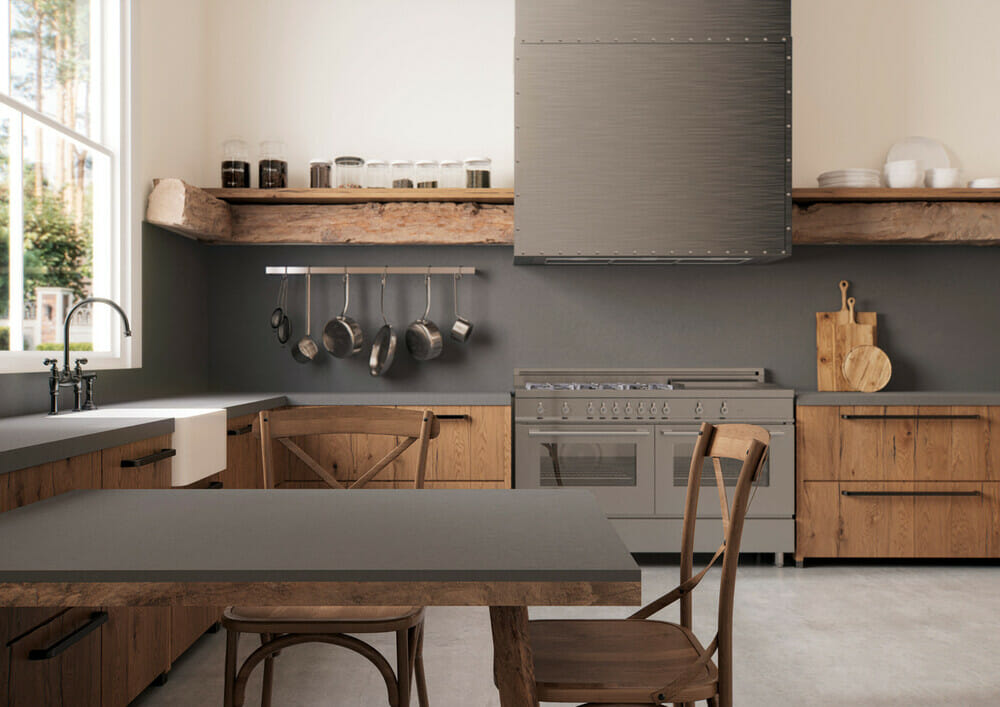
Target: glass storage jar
{"x": 272, "y": 172}
{"x": 452, "y": 174}
{"x": 320, "y": 174}
{"x": 377, "y": 174}
{"x": 477, "y": 172}
{"x": 402, "y": 174}
{"x": 350, "y": 172}
{"x": 427, "y": 174}
{"x": 235, "y": 164}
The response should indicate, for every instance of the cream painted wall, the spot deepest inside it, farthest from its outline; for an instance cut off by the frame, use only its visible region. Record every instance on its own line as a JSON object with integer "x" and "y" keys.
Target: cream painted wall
{"x": 433, "y": 78}
{"x": 870, "y": 72}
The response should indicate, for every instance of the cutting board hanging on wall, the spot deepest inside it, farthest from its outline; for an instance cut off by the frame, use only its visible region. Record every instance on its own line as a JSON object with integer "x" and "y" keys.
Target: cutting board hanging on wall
{"x": 836, "y": 334}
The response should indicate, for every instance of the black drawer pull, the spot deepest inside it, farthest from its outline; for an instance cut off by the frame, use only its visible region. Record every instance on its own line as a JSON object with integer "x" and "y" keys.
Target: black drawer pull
{"x": 96, "y": 619}
{"x": 910, "y": 493}
{"x": 215, "y": 485}
{"x": 909, "y": 417}
{"x": 240, "y": 431}
{"x": 150, "y": 458}
{"x": 456, "y": 416}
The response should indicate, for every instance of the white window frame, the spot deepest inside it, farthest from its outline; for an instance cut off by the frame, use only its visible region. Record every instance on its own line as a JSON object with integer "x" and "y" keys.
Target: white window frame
{"x": 111, "y": 22}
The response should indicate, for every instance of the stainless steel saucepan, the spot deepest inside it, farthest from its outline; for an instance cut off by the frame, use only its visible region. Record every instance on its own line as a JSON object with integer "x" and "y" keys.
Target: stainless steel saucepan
{"x": 461, "y": 330}
{"x": 306, "y": 349}
{"x": 384, "y": 345}
{"x": 342, "y": 336}
{"x": 423, "y": 338}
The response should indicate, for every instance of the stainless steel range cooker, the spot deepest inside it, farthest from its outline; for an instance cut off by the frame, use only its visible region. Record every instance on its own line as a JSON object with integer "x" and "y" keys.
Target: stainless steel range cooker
{"x": 628, "y": 435}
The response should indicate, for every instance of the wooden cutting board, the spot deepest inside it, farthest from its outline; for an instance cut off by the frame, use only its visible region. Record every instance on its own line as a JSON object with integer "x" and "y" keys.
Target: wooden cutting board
{"x": 835, "y": 338}
{"x": 867, "y": 368}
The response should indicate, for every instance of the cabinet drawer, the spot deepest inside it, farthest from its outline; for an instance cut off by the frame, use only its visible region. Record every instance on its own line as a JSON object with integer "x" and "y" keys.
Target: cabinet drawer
{"x": 154, "y": 475}
{"x": 58, "y": 663}
{"x": 912, "y": 520}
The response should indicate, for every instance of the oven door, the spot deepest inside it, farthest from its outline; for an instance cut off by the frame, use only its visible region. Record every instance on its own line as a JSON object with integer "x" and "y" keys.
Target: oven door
{"x": 614, "y": 462}
{"x": 774, "y": 492}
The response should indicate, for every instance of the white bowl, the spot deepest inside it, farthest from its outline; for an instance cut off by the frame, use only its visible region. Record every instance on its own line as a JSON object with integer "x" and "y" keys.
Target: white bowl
{"x": 903, "y": 166}
{"x": 904, "y": 180}
{"x": 943, "y": 177}
{"x": 985, "y": 183}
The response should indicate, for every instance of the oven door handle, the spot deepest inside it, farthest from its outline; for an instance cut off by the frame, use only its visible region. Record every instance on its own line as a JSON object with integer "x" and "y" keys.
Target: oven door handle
{"x": 695, "y": 433}
{"x": 583, "y": 433}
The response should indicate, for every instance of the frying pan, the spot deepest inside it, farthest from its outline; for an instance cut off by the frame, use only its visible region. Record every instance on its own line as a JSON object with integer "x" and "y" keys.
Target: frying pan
{"x": 384, "y": 345}
{"x": 306, "y": 349}
{"x": 423, "y": 338}
{"x": 342, "y": 336}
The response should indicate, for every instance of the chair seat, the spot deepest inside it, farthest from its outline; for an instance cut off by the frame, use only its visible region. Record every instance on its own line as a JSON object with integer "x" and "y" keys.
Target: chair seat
{"x": 321, "y": 619}
{"x": 615, "y": 660}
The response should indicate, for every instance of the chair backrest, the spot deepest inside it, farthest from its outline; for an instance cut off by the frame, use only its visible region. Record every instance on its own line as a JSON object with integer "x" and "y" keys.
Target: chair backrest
{"x": 413, "y": 426}
{"x": 747, "y": 444}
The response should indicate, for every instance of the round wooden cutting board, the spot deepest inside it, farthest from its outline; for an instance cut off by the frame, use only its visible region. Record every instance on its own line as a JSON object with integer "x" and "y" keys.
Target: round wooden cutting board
{"x": 867, "y": 368}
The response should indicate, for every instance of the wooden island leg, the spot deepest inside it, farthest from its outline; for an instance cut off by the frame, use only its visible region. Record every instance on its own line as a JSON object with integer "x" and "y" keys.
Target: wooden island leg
{"x": 513, "y": 667}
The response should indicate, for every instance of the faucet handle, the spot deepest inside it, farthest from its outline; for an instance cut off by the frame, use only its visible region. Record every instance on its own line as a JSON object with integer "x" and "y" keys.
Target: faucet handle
{"x": 53, "y": 362}
{"x": 80, "y": 362}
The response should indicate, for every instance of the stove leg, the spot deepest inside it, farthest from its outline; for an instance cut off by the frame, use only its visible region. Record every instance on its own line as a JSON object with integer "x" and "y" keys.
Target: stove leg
{"x": 779, "y": 559}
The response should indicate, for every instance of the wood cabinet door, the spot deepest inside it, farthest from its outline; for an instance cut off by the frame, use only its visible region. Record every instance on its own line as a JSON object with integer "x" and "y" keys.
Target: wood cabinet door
{"x": 155, "y": 475}
{"x": 70, "y": 675}
{"x": 243, "y": 467}
{"x": 817, "y": 519}
{"x": 991, "y": 509}
{"x": 817, "y": 443}
{"x": 135, "y": 646}
{"x": 876, "y": 443}
{"x": 24, "y": 486}
{"x": 188, "y": 624}
{"x": 950, "y": 525}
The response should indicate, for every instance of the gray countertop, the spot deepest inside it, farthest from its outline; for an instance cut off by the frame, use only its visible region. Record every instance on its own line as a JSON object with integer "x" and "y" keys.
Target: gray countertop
{"x": 31, "y": 440}
{"x": 261, "y": 536}
{"x": 899, "y": 398}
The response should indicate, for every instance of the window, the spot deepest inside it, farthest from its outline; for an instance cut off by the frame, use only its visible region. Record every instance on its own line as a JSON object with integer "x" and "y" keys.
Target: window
{"x": 63, "y": 194}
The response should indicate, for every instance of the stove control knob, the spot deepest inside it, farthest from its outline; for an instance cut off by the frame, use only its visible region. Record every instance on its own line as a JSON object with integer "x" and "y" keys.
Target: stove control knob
{"x": 724, "y": 410}
{"x": 642, "y": 409}
{"x": 628, "y": 409}
{"x": 590, "y": 409}
{"x": 652, "y": 409}
{"x": 541, "y": 409}
{"x": 666, "y": 409}
{"x": 565, "y": 409}
{"x": 699, "y": 409}
{"x": 604, "y": 410}
{"x": 615, "y": 410}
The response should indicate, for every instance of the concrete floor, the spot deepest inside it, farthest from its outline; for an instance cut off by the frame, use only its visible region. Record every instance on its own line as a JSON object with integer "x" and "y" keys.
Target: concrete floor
{"x": 826, "y": 635}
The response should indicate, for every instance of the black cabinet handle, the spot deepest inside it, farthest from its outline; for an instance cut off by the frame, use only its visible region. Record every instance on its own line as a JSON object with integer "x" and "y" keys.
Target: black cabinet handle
{"x": 910, "y": 493}
{"x": 240, "y": 431}
{"x": 454, "y": 417}
{"x": 150, "y": 458}
{"x": 96, "y": 619}
{"x": 909, "y": 417}
{"x": 215, "y": 485}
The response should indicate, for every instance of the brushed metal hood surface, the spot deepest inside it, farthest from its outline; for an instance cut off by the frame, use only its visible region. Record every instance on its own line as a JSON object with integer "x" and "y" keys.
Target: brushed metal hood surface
{"x": 651, "y": 132}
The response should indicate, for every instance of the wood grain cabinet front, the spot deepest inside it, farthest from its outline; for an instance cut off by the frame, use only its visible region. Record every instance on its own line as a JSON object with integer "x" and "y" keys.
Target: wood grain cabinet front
{"x": 243, "y": 466}
{"x": 896, "y": 482}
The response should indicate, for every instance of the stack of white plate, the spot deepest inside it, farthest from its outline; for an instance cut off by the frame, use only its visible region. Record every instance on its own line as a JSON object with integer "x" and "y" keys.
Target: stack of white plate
{"x": 849, "y": 178}
{"x": 985, "y": 183}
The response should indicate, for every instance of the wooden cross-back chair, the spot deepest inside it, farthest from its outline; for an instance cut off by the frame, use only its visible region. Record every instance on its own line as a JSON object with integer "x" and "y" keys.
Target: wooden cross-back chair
{"x": 282, "y": 627}
{"x": 640, "y": 661}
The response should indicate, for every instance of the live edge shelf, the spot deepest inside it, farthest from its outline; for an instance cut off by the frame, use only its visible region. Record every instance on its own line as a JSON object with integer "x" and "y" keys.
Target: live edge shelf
{"x": 334, "y": 216}
{"x": 486, "y": 216}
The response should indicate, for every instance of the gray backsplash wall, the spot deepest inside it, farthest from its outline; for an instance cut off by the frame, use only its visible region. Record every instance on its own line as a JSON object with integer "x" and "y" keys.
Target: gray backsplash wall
{"x": 938, "y": 316}
{"x": 175, "y": 333}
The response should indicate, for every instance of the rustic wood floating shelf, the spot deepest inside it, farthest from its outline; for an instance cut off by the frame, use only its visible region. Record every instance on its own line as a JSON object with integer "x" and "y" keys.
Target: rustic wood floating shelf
{"x": 895, "y": 216}
{"x": 334, "y": 216}
{"x": 486, "y": 216}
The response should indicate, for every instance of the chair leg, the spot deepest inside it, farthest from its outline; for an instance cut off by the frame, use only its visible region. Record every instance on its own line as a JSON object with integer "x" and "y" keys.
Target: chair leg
{"x": 232, "y": 644}
{"x": 421, "y": 679}
{"x": 268, "y": 683}
{"x": 403, "y": 675}
{"x": 713, "y": 702}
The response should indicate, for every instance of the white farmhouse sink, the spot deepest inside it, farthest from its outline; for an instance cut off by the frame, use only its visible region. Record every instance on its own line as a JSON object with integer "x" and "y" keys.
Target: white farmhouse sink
{"x": 199, "y": 437}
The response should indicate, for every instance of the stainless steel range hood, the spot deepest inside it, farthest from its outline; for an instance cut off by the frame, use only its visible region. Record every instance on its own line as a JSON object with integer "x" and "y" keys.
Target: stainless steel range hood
{"x": 652, "y": 131}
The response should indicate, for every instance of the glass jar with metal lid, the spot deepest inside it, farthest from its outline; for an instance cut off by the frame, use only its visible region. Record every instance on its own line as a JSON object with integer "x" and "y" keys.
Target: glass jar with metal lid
{"x": 272, "y": 170}
{"x": 427, "y": 174}
{"x": 477, "y": 172}
{"x": 452, "y": 174}
{"x": 377, "y": 174}
{"x": 320, "y": 172}
{"x": 235, "y": 164}
{"x": 402, "y": 174}
{"x": 350, "y": 172}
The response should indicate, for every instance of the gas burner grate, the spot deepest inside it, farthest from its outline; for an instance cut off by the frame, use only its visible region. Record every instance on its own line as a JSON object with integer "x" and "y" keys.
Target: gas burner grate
{"x": 598, "y": 386}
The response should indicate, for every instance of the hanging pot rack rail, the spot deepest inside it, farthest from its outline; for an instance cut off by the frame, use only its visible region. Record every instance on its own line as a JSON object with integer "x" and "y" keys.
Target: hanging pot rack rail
{"x": 369, "y": 270}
